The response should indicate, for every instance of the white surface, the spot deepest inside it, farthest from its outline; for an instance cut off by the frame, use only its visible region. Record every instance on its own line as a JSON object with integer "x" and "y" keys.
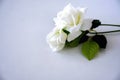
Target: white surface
{"x": 25, "y": 55}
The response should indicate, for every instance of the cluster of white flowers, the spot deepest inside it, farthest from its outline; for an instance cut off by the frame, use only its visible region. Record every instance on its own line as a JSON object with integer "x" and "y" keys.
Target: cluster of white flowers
{"x": 70, "y": 19}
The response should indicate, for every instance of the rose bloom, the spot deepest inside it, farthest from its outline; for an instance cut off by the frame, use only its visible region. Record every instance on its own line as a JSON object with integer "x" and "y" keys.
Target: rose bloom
{"x": 56, "y": 39}
{"x": 70, "y": 19}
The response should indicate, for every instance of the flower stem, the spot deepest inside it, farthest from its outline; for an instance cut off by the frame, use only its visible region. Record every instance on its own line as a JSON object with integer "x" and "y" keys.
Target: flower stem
{"x": 110, "y": 25}
{"x": 95, "y": 32}
{"x": 104, "y": 32}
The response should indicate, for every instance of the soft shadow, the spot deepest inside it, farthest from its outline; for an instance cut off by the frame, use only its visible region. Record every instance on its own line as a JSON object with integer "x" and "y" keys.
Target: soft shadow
{"x": 118, "y": 78}
{"x": 118, "y": 2}
{"x": 1, "y": 78}
{"x": 1, "y": 1}
{"x": 74, "y": 53}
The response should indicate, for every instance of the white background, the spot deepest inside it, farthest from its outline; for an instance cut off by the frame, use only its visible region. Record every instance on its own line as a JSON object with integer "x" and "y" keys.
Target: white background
{"x": 25, "y": 55}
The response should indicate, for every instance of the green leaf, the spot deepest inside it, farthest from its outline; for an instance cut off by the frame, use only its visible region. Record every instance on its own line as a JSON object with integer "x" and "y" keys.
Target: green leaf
{"x": 90, "y": 49}
{"x": 101, "y": 40}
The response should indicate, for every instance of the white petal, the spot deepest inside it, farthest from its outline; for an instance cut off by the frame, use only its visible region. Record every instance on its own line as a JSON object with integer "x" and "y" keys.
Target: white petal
{"x": 74, "y": 29}
{"x": 69, "y": 8}
{"x": 73, "y": 35}
{"x": 87, "y": 23}
{"x": 56, "y": 39}
{"x": 82, "y": 10}
{"x": 63, "y": 37}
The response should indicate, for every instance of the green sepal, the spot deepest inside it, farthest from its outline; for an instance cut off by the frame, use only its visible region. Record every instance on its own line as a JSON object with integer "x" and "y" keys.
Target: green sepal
{"x": 67, "y": 32}
{"x": 95, "y": 23}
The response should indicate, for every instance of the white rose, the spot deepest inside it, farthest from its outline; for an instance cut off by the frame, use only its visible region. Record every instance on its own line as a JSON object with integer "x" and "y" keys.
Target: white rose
{"x": 56, "y": 39}
{"x": 71, "y": 19}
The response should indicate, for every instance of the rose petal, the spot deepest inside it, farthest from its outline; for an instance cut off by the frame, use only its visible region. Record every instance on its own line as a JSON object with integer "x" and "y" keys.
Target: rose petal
{"x": 56, "y": 39}
{"x": 87, "y": 23}
{"x": 73, "y": 35}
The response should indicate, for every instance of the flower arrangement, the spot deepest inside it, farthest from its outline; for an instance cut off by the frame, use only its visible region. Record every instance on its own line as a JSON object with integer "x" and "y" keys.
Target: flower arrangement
{"x": 73, "y": 29}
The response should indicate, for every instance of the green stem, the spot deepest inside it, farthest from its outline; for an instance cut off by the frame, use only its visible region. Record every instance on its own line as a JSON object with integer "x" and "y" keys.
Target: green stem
{"x": 110, "y": 25}
{"x": 104, "y": 32}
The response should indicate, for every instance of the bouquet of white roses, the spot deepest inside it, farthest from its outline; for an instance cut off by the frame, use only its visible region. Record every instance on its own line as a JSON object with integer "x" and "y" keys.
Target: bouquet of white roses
{"x": 73, "y": 29}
